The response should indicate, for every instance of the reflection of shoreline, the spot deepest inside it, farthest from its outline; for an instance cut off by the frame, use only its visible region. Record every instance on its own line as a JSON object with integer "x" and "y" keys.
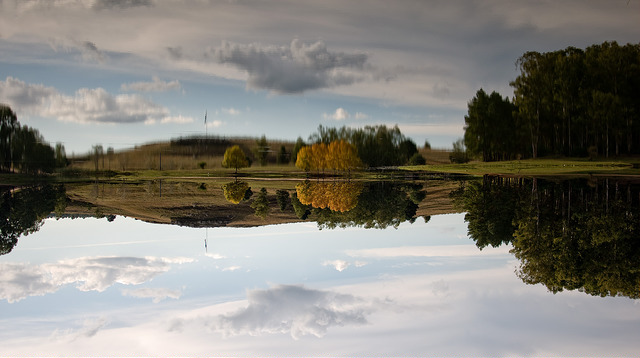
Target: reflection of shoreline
{"x": 186, "y": 204}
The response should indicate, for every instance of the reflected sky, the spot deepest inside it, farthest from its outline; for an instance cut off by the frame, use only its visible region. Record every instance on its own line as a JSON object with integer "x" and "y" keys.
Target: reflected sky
{"x": 91, "y": 287}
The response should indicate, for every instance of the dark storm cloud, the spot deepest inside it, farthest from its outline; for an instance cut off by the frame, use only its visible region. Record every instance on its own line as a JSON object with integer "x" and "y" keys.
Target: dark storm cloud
{"x": 293, "y": 69}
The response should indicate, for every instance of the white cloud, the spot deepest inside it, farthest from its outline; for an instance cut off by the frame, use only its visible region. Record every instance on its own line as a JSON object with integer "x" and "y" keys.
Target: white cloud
{"x": 20, "y": 280}
{"x": 232, "y": 268}
{"x": 339, "y": 115}
{"x": 156, "y": 294}
{"x": 341, "y": 265}
{"x": 86, "y": 106}
{"x": 216, "y": 123}
{"x": 156, "y": 85}
{"x": 360, "y": 115}
{"x": 294, "y": 310}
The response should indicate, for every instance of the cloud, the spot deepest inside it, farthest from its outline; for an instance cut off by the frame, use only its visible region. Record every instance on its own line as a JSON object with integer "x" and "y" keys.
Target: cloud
{"x": 20, "y": 280}
{"x": 156, "y": 85}
{"x": 339, "y": 115}
{"x": 428, "y": 251}
{"x": 89, "y": 328}
{"x": 231, "y": 111}
{"x": 177, "y": 119}
{"x": 90, "y": 52}
{"x": 215, "y": 123}
{"x": 232, "y": 268}
{"x": 156, "y": 294}
{"x": 294, "y": 69}
{"x": 294, "y": 310}
{"x": 86, "y": 106}
{"x": 342, "y": 265}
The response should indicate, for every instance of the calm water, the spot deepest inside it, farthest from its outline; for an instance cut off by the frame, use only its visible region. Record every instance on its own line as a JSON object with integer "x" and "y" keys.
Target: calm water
{"x": 440, "y": 286}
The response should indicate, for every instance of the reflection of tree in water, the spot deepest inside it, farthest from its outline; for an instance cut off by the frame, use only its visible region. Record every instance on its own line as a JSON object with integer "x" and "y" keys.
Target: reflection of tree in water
{"x": 261, "y": 204}
{"x": 235, "y": 191}
{"x": 337, "y": 196}
{"x": 567, "y": 235}
{"x": 369, "y": 205}
{"x": 22, "y": 212}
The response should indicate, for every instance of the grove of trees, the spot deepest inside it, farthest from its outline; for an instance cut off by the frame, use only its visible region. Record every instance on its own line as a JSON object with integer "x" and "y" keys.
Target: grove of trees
{"x": 23, "y": 148}
{"x": 570, "y": 102}
{"x": 376, "y": 146}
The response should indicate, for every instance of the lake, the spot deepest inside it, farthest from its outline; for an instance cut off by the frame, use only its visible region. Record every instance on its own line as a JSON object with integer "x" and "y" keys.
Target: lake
{"x": 492, "y": 267}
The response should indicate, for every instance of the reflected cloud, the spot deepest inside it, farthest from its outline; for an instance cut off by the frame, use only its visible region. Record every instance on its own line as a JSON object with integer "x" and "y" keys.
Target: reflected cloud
{"x": 342, "y": 265}
{"x": 294, "y": 310}
{"x": 89, "y": 328}
{"x": 21, "y": 280}
{"x": 156, "y": 294}
{"x": 427, "y": 251}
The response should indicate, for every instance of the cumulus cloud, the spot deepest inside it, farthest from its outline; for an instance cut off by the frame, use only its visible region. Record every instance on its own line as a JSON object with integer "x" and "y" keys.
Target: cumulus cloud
{"x": 296, "y": 68}
{"x": 156, "y": 294}
{"x": 20, "y": 280}
{"x": 86, "y": 106}
{"x": 294, "y": 310}
{"x": 156, "y": 85}
{"x": 339, "y": 115}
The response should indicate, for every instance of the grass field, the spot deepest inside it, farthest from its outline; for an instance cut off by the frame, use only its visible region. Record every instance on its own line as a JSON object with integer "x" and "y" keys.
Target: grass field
{"x": 541, "y": 167}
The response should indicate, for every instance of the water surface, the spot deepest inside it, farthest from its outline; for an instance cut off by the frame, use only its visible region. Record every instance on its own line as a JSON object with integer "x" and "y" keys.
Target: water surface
{"x": 418, "y": 286}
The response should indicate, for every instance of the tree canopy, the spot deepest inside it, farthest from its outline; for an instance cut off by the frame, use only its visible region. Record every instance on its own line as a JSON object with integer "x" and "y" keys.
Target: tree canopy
{"x": 338, "y": 155}
{"x": 234, "y": 157}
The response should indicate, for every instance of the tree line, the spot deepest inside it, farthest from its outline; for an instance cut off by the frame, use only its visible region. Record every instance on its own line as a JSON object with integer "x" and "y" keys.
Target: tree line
{"x": 23, "y": 148}
{"x": 570, "y": 102}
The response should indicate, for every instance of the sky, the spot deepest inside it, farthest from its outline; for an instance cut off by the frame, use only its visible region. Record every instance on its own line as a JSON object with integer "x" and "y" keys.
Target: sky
{"x": 89, "y": 287}
{"x": 125, "y": 72}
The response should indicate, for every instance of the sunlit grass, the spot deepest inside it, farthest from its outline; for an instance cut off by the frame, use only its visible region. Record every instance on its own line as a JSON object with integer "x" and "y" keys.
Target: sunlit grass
{"x": 544, "y": 166}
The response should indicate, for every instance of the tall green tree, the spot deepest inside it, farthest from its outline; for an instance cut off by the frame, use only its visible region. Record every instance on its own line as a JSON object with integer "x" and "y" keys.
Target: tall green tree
{"x": 8, "y": 125}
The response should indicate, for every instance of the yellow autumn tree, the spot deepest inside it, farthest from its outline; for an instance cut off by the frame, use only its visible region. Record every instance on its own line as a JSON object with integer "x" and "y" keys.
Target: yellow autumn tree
{"x": 234, "y": 157}
{"x": 303, "y": 160}
{"x": 338, "y": 155}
